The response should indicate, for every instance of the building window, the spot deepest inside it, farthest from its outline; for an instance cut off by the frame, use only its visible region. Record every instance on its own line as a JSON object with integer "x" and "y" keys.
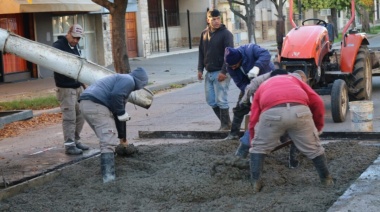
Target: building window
{"x": 12, "y": 63}
{"x": 157, "y": 8}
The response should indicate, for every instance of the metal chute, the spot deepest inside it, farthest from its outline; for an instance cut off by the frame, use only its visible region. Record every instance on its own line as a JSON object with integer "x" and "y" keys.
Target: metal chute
{"x": 64, "y": 63}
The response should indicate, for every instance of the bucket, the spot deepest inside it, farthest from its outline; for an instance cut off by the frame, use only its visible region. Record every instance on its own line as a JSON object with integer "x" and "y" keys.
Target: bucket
{"x": 142, "y": 98}
{"x": 361, "y": 116}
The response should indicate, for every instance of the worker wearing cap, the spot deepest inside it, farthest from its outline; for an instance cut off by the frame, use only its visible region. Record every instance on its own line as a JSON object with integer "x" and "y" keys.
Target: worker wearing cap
{"x": 243, "y": 64}
{"x": 68, "y": 91}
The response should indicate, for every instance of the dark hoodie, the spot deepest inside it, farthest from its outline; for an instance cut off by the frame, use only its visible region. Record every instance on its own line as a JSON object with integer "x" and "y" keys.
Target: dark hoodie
{"x": 211, "y": 49}
{"x": 63, "y": 81}
{"x": 113, "y": 91}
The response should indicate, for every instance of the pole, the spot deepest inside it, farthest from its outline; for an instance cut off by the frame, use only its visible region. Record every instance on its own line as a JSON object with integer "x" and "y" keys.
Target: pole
{"x": 188, "y": 27}
{"x": 166, "y": 31}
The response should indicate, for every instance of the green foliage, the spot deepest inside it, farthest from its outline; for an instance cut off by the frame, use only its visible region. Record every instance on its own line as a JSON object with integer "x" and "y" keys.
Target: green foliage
{"x": 38, "y": 103}
{"x": 375, "y": 30}
{"x": 324, "y": 4}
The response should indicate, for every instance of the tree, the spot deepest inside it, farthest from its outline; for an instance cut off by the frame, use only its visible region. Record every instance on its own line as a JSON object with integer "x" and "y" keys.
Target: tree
{"x": 364, "y": 7}
{"x": 249, "y": 16}
{"x": 280, "y": 23}
{"x": 361, "y": 6}
{"x": 119, "y": 47}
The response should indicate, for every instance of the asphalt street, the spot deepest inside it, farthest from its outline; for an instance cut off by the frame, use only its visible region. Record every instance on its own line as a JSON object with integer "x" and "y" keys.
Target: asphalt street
{"x": 36, "y": 153}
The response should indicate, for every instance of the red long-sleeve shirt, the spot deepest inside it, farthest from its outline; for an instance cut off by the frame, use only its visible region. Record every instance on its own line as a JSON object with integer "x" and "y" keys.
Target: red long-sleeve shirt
{"x": 285, "y": 89}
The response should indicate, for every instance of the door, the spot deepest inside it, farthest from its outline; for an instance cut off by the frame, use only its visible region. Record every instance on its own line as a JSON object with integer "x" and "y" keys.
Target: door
{"x": 131, "y": 34}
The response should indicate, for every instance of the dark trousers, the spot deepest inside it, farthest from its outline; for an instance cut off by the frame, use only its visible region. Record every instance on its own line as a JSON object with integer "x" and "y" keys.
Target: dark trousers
{"x": 239, "y": 112}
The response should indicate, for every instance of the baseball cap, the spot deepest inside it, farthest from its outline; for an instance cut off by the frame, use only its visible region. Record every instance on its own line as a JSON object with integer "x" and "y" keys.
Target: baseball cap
{"x": 77, "y": 31}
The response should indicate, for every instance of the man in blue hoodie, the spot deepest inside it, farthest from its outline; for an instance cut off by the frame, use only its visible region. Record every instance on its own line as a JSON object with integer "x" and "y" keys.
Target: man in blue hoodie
{"x": 103, "y": 100}
{"x": 243, "y": 64}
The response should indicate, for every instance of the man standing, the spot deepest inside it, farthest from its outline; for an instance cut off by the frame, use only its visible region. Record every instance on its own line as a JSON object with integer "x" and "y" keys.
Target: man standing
{"x": 245, "y": 63}
{"x": 68, "y": 92}
{"x": 286, "y": 104}
{"x": 100, "y": 102}
{"x": 214, "y": 39}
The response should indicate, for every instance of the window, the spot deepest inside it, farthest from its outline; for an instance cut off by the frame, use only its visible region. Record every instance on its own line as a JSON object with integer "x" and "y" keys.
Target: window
{"x": 61, "y": 25}
{"x": 156, "y": 12}
{"x": 12, "y": 63}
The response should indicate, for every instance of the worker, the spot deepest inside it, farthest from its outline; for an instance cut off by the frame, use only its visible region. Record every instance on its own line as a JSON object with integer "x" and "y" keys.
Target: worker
{"x": 68, "y": 91}
{"x": 245, "y": 63}
{"x": 100, "y": 102}
{"x": 286, "y": 104}
{"x": 243, "y": 148}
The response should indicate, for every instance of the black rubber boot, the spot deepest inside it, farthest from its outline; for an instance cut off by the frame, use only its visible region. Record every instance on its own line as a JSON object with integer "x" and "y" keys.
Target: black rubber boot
{"x": 107, "y": 162}
{"x": 293, "y": 153}
{"x": 225, "y": 120}
{"x": 235, "y": 128}
{"x": 242, "y": 151}
{"x": 216, "y": 111}
{"x": 256, "y": 165}
{"x": 320, "y": 164}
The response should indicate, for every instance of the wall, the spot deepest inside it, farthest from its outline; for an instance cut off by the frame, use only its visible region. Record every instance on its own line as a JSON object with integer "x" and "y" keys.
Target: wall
{"x": 44, "y": 34}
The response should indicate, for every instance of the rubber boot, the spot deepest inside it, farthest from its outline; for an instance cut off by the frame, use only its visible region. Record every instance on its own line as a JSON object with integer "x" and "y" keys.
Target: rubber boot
{"x": 242, "y": 151}
{"x": 107, "y": 162}
{"x": 216, "y": 111}
{"x": 324, "y": 174}
{"x": 256, "y": 165}
{"x": 293, "y": 153}
{"x": 225, "y": 120}
{"x": 235, "y": 128}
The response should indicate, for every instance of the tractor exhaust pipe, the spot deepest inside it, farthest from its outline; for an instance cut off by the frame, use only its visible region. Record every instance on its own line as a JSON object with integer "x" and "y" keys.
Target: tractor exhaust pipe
{"x": 64, "y": 63}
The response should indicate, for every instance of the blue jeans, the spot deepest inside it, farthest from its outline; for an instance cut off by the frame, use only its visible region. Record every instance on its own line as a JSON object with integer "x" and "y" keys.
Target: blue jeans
{"x": 216, "y": 92}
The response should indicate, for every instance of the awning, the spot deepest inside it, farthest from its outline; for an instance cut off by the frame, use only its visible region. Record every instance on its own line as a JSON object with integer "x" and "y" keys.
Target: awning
{"x": 23, "y": 6}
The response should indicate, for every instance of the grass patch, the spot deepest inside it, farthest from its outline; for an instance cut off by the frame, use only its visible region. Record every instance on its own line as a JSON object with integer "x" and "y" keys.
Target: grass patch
{"x": 38, "y": 103}
{"x": 177, "y": 85}
{"x": 374, "y": 30}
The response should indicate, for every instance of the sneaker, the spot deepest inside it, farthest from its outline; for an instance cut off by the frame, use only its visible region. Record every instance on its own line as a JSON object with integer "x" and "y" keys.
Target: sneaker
{"x": 73, "y": 150}
{"x": 231, "y": 137}
{"x": 81, "y": 146}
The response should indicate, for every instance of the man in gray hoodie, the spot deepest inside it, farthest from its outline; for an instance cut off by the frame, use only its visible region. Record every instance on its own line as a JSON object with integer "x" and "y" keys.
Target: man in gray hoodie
{"x": 100, "y": 103}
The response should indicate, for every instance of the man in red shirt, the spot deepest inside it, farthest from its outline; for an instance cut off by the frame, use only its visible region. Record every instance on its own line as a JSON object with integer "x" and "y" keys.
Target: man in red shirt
{"x": 286, "y": 104}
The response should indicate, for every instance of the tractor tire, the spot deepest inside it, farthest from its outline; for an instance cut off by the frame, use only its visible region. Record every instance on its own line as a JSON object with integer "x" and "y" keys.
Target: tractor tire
{"x": 339, "y": 101}
{"x": 362, "y": 76}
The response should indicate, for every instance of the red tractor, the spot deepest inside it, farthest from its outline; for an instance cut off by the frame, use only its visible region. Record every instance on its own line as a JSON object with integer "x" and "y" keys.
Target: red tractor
{"x": 345, "y": 75}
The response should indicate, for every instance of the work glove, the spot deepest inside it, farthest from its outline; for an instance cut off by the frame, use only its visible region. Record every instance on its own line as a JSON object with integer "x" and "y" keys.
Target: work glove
{"x": 253, "y": 72}
{"x": 124, "y": 117}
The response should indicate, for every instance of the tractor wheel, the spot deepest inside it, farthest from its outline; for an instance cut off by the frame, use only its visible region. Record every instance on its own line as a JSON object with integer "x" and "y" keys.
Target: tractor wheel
{"x": 362, "y": 76}
{"x": 339, "y": 101}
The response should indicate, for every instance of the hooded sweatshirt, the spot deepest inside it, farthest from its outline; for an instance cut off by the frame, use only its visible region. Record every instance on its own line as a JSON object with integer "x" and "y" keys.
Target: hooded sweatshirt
{"x": 211, "y": 49}
{"x": 113, "y": 91}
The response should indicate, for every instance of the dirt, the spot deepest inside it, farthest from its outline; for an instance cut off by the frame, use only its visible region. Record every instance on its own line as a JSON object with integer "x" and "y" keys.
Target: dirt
{"x": 177, "y": 177}
{"x": 18, "y": 127}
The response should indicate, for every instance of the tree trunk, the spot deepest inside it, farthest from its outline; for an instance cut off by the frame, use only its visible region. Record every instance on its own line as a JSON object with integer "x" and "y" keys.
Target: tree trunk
{"x": 334, "y": 15}
{"x": 252, "y": 19}
{"x": 280, "y": 27}
{"x": 119, "y": 45}
{"x": 365, "y": 20}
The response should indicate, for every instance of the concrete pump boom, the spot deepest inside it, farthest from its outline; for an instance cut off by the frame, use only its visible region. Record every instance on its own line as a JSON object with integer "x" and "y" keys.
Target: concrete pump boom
{"x": 64, "y": 63}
